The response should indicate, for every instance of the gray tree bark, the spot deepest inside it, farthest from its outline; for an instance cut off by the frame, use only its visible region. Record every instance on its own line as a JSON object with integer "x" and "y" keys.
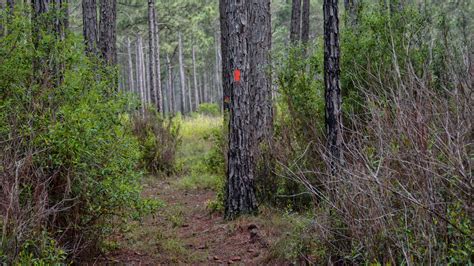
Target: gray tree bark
{"x": 248, "y": 37}
{"x": 305, "y": 22}
{"x": 108, "y": 31}
{"x": 333, "y": 99}
{"x": 152, "y": 55}
{"x": 140, "y": 74}
{"x": 295, "y": 24}
{"x": 159, "y": 86}
{"x": 259, "y": 49}
{"x": 171, "y": 101}
{"x": 189, "y": 91}
{"x": 218, "y": 88}
{"x": 131, "y": 80}
{"x": 145, "y": 59}
{"x": 226, "y": 85}
{"x": 200, "y": 86}
{"x": 206, "y": 88}
{"x": 89, "y": 26}
{"x": 196, "y": 89}
{"x": 181, "y": 74}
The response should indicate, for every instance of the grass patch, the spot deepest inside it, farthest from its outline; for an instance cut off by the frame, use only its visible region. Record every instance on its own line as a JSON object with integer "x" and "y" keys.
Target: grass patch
{"x": 198, "y": 181}
{"x": 199, "y": 126}
{"x": 196, "y": 149}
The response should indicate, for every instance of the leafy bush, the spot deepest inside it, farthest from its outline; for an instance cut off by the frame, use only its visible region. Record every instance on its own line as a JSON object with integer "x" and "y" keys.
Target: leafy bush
{"x": 215, "y": 163}
{"x": 299, "y": 122}
{"x": 211, "y": 109}
{"x": 69, "y": 161}
{"x": 159, "y": 140}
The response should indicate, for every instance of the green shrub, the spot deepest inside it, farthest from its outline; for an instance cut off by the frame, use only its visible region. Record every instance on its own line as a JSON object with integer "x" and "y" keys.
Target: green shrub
{"x": 41, "y": 251}
{"x": 298, "y": 124}
{"x": 211, "y": 109}
{"x": 159, "y": 140}
{"x": 69, "y": 160}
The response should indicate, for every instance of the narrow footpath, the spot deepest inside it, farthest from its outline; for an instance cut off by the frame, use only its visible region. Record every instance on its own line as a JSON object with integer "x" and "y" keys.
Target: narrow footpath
{"x": 184, "y": 230}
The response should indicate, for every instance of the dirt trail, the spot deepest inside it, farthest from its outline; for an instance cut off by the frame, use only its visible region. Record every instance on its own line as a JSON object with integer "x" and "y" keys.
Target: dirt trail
{"x": 184, "y": 231}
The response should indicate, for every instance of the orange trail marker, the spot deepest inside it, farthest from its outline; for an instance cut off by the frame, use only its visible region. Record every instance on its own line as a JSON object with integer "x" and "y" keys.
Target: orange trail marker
{"x": 237, "y": 75}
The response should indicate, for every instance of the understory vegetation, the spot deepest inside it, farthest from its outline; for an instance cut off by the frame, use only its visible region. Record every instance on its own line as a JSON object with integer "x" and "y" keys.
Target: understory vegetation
{"x": 70, "y": 161}
{"x": 403, "y": 193}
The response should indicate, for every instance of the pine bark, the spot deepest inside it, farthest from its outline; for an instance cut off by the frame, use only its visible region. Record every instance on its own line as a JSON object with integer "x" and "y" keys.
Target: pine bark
{"x": 259, "y": 76}
{"x": 159, "y": 86}
{"x": 189, "y": 91}
{"x": 226, "y": 86}
{"x": 243, "y": 40}
{"x": 333, "y": 99}
{"x": 171, "y": 100}
{"x": 206, "y": 88}
{"x": 181, "y": 74}
{"x": 218, "y": 88}
{"x": 140, "y": 74}
{"x": 196, "y": 89}
{"x": 152, "y": 55}
{"x": 146, "y": 77}
{"x": 295, "y": 24}
{"x": 305, "y": 22}
{"x": 131, "y": 80}
{"x": 89, "y": 25}
{"x": 108, "y": 31}
{"x": 200, "y": 86}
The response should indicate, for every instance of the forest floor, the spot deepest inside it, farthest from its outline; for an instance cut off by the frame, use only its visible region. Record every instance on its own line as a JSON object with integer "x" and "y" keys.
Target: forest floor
{"x": 184, "y": 230}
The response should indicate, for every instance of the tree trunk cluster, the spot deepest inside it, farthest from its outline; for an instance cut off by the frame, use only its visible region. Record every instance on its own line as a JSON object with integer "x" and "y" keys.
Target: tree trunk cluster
{"x": 299, "y": 24}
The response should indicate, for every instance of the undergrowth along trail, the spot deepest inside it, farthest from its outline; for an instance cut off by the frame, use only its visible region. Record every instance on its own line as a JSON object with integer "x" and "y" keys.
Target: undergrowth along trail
{"x": 189, "y": 228}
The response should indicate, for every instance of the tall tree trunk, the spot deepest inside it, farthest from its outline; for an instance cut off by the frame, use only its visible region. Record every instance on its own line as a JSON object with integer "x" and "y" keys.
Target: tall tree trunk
{"x": 240, "y": 188}
{"x": 333, "y": 98}
{"x": 305, "y": 22}
{"x": 226, "y": 85}
{"x": 89, "y": 26}
{"x": 159, "y": 86}
{"x": 146, "y": 77}
{"x": 260, "y": 75}
{"x": 181, "y": 74}
{"x": 108, "y": 31}
{"x": 295, "y": 25}
{"x": 171, "y": 100}
{"x": 140, "y": 74}
{"x": 200, "y": 86}
{"x": 131, "y": 85}
{"x": 218, "y": 88}
{"x": 206, "y": 88}
{"x": 152, "y": 54}
{"x": 196, "y": 89}
{"x": 190, "y": 101}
